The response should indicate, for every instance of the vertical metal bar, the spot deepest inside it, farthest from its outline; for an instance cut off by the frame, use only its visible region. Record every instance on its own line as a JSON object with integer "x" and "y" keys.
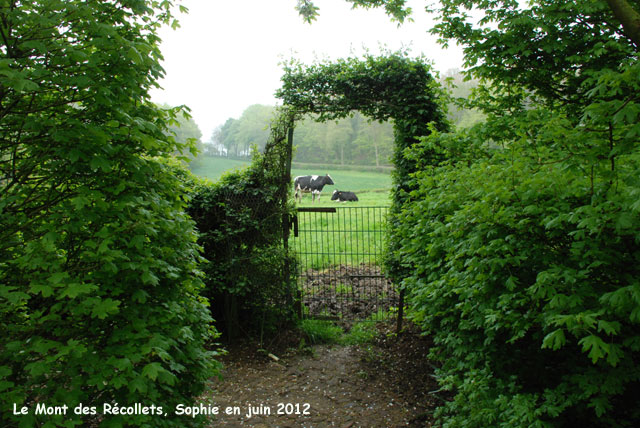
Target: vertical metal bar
{"x": 347, "y": 241}
{"x": 335, "y": 266}
{"x": 369, "y": 264}
{"x": 314, "y": 262}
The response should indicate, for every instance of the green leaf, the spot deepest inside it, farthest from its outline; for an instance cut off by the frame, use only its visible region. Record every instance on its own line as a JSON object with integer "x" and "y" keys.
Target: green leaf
{"x": 101, "y": 163}
{"x": 44, "y": 289}
{"x": 610, "y": 328}
{"x": 149, "y": 278}
{"x": 105, "y": 307}
{"x": 151, "y": 370}
{"x": 554, "y": 340}
{"x": 134, "y": 55}
{"x": 75, "y": 289}
{"x": 596, "y": 347}
{"x": 138, "y": 384}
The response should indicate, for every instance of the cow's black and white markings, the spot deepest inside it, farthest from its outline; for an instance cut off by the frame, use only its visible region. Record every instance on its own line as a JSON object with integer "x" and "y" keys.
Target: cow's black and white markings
{"x": 342, "y": 196}
{"x": 310, "y": 184}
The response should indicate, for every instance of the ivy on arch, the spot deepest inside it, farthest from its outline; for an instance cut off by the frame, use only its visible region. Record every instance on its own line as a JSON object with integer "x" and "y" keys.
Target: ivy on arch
{"x": 387, "y": 87}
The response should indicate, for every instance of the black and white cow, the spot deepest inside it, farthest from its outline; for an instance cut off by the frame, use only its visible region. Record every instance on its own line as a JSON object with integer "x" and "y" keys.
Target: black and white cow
{"x": 341, "y": 196}
{"x": 310, "y": 184}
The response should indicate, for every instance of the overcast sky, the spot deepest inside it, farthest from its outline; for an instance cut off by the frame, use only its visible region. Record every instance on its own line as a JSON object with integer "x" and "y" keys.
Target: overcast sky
{"x": 226, "y": 55}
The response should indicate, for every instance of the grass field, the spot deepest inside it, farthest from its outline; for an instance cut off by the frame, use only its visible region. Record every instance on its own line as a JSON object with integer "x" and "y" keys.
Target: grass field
{"x": 372, "y": 188}
{"x": 349, "y": 236}
{"x": 212, "y": 168}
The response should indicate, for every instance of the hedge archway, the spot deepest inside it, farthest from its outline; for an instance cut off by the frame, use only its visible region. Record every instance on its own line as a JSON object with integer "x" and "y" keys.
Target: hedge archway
{"x": 389, "y": 87}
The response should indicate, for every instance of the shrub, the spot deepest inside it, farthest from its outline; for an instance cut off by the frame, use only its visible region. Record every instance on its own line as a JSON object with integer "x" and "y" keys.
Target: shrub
{"x": 526, "y": 274}
{"x": 99, "y": 279}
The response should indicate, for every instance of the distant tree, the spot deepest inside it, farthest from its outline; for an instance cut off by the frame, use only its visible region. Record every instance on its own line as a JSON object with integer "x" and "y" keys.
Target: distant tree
{"x": 185, "y": 131}
{"x": 253, "y": 127}
{"x": 375, "y": 139}
{"x": 238, "y": 135}
{"x": 224, "y": 136}
{"x": 461, "y": 88}
{"x": 349, "y": 141}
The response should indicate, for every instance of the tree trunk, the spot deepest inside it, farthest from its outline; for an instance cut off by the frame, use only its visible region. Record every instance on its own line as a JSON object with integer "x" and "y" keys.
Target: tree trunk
{"x": 628, "y": 17}
{"x": 375, "y": 146}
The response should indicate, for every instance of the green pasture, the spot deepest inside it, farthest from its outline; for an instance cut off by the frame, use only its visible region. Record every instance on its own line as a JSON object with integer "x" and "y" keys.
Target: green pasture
{"x": 213, "y": 167}
{"x": 371, "y": 187}
{"x": 350, "y": 236}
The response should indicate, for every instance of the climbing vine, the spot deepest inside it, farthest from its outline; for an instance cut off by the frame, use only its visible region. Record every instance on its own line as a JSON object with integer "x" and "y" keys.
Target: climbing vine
{"x": 243, "y": 220}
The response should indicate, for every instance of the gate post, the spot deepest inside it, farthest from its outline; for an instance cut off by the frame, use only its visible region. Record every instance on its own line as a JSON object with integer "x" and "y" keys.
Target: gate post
{"x": 400, "y": 312}
{"x": 296, "y": 299}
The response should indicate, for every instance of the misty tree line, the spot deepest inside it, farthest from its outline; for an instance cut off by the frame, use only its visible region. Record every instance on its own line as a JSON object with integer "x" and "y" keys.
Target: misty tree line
{"x": 351, "y": 141}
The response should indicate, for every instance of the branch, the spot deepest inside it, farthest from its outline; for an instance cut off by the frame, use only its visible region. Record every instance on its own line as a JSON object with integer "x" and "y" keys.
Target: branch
{"x": 628, "y": 17}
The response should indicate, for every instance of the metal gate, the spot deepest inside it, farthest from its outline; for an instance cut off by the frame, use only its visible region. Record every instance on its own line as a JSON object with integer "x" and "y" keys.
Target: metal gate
{"x": 339, "y": 251}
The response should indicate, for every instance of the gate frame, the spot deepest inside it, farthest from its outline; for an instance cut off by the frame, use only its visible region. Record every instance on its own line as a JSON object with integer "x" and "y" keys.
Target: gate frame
{"x": 296, "y": 228}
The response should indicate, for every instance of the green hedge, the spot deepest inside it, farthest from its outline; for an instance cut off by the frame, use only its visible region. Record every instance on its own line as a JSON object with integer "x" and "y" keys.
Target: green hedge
{"x": 99, "y": 279}
{"x": 527, "y": 274}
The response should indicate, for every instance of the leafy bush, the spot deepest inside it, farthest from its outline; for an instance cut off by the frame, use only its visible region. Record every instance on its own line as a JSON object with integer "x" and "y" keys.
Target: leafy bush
{"x": 99, "y": 280}
{"x": 525, "y": 270}
{"x": 520, "y": 241}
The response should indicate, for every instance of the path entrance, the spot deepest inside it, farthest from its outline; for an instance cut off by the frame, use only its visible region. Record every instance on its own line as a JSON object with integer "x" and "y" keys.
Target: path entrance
{"x": 340, "y": 253}
{"x": 385, "y": 383}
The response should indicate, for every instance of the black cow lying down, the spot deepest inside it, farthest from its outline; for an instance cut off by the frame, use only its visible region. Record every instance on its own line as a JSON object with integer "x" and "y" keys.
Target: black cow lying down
{"x": 310, "y": 184}
{"x": 341, "y": 196}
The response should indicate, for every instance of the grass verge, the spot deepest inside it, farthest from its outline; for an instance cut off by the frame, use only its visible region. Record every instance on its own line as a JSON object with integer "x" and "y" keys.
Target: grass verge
{"x": 319, "y": 332}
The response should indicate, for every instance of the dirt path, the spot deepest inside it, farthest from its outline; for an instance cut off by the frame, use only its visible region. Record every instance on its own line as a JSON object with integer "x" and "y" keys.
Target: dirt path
{"x": 384, "y": 385}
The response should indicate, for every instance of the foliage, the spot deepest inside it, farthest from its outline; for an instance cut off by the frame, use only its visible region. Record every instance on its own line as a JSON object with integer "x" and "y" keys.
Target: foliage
{"x": 551, "y": 51}
{"x": 186, "y": 133}
{"x": 521, "y": 243}
{"x": 523, "y": 282}
{"x": 243, "y": 225}
{"x": 396, "y": 9}
{"x": 99, "y": 280}
{"x": 237, "y": 136}
{"x": 461, "y": 88}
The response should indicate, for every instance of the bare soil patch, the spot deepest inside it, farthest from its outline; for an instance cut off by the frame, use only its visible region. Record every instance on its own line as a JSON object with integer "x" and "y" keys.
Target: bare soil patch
{"x": 347, "y": 292}
{"x": 383, "y": 384}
